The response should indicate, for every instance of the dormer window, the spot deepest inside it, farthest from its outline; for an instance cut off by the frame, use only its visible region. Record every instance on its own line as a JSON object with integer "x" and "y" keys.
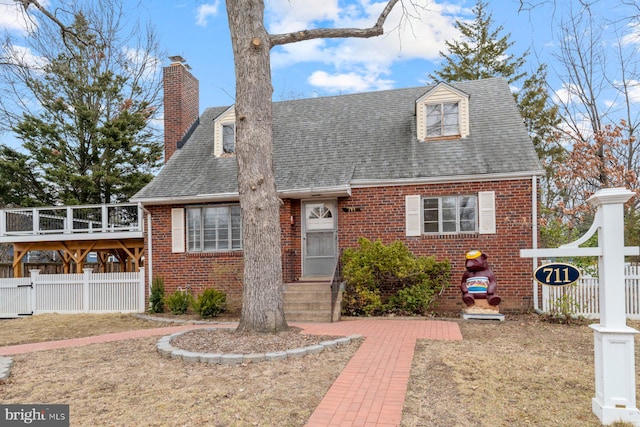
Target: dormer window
{"x": 224, "y": 133}
{"x": 442, "y": 113}
{"x": 442, "y": 119}
{"x": 229, "y": 138}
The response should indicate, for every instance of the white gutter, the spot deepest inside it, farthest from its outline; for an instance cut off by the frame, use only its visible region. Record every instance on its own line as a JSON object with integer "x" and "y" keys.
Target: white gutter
{"x": 363, "y": 183}
{"x": 150, "y": 246}
{"x": 198, "y": 198}
{"x": 338, "y": 191}
{"x": 534, "y": 239}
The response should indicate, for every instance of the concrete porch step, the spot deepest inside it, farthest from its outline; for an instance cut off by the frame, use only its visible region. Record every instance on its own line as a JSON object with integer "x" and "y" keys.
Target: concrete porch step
{"x": 307, "y": 305}
{"x": 308, "y": 301}
{"x": 308, "y": 316}
{"x": 308, "y": 287}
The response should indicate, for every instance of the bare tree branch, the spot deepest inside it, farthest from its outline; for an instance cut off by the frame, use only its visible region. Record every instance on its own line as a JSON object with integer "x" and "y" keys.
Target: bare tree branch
{"x": 297, "y": 36}
{"x": 65, "y": 30}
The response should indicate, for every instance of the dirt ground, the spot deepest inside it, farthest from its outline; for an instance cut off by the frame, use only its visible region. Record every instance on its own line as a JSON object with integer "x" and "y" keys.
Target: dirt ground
{"x": 521, "y": 372}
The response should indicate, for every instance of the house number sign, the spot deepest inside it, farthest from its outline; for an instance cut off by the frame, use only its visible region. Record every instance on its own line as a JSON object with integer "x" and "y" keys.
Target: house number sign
{"x": 557, "y": 274}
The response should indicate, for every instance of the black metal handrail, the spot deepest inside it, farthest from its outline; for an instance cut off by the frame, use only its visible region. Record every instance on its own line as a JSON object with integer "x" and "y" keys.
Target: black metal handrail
{"x": 336, "y": 281}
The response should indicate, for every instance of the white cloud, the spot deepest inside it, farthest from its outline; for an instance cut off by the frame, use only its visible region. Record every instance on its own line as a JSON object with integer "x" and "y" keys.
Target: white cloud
{"x": 633, "y": 36}
{"x": 140, "y": 59}
{"x": 349, "y": 82}
{"x": 634, "y": 91}
{"x": 291, "y": 15}
{"x": 205, "y": 11}
{"x": 14, "y": 18}
{"x": 23, "y": 56}
{"x": 416, "y": 33}
{"x": 565, "y": 94}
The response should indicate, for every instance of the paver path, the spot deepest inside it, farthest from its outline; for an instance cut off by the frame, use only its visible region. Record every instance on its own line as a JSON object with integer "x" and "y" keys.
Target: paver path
{"x": 371, "y": 389}
{"x": 77, "y": 342}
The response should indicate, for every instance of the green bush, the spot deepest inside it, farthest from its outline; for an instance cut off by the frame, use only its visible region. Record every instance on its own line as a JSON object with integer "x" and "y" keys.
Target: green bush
{"x": 156, "y": 299}
{"x": 179, "y": 301}
{"x": 210, "y": 303}
{"x": 375, "y": 271}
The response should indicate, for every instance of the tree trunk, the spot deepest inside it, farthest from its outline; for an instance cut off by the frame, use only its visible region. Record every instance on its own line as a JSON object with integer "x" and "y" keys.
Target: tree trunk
{"x": 262, "y": 308}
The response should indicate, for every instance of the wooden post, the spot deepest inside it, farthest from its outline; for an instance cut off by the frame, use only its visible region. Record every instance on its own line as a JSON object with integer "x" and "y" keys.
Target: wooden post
{"x": 614, "y": 351}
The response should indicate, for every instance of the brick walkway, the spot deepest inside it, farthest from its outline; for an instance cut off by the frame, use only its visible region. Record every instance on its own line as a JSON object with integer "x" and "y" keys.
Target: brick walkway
{"x": 77, "y": 342}
{"x": 371, "y": 389}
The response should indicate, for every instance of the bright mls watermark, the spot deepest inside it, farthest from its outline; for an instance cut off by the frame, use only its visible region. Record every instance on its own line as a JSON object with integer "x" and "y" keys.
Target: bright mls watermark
{"x": 34, "y": 415}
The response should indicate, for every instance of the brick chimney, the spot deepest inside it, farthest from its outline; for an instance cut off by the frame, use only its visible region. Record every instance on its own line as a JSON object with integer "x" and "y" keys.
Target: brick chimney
{"x": 181, "y": 104}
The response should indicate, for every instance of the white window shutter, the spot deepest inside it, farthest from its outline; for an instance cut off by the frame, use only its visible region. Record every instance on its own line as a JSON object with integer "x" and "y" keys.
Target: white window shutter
{"x": 177, "y": 230}
{"x": 487, "y": 212}
{"x": 412, "y": 215}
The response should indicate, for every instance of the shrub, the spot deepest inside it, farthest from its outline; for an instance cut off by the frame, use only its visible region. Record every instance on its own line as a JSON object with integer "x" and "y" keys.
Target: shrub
{"x": 156, "y": 299}
{"x": 358, "y": 300}
{"x": 428, "y": 281}
{"x": 376, "y": 272}
{"x": 210, "y": 303}
{"x": 564, "y": 308}
{"x": 179, "y": 301}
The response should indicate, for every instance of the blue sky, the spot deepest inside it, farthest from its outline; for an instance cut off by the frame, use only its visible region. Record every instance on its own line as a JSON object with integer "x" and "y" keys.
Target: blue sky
{"x": 403, "y": 57}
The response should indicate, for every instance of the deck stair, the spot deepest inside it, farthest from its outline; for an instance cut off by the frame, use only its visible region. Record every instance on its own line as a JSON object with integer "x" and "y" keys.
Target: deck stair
{"x": 308, "y": 301}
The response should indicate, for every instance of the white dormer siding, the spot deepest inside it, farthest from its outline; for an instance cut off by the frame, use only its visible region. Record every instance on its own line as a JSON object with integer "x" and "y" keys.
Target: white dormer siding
{"x": 225, "y": 119}
{"x": 442, "y": 94}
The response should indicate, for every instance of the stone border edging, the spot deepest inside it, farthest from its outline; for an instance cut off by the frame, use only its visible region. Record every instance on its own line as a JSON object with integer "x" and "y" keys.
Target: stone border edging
{"x": 166, "y": 350}
{"x": 181, "y": 321}
{"x": 5, "y": 367}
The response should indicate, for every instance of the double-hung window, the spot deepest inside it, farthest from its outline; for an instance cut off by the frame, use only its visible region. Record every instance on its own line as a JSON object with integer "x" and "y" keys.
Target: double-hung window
{"x": 214, "y": 228}
{"x": 442, "y": 119}
{"x": 450, "y": 214}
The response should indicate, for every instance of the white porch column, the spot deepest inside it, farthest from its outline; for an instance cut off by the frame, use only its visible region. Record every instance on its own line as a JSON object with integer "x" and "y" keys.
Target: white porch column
{"x": 615, "y": 398}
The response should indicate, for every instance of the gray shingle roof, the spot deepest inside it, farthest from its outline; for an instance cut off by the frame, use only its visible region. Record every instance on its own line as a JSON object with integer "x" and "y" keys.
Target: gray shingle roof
{"x": 347, "y": 140}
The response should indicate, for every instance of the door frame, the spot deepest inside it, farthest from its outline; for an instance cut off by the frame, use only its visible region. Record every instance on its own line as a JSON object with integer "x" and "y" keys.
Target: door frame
{"x": 303, "y": 236}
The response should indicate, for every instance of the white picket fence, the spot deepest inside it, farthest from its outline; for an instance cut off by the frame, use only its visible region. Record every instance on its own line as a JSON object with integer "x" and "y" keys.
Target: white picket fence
{"x": 584, "y": 296}
{"x": 86, "y": 292}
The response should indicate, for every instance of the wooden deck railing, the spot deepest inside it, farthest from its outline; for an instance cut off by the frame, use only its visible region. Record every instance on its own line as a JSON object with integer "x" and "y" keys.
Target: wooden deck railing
{"x": 70, "y": 219}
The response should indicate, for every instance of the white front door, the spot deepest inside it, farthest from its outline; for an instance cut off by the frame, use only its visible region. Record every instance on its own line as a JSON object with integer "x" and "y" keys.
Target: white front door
{"x": 319, "y": 238}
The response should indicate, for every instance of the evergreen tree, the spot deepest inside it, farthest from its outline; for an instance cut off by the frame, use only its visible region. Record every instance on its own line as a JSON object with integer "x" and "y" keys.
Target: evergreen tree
{"x": 481, "y": 53}
{"x": 89, "y": 140}
{"x": 542, "y": 119}
{"x": 20, "y": 182}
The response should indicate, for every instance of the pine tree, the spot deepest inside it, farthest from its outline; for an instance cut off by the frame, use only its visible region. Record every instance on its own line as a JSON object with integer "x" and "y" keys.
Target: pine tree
{"x": 484, "y": 53}
{"x": 481, "y": 53}
{"x": 20, "y": 182}
{"x": 90, "y": 142}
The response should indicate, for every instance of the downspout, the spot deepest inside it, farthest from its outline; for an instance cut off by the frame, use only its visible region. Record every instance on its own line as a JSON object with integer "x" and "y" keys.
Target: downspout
{"x": 534, "y": 240}
{"x": 149, "y": 246}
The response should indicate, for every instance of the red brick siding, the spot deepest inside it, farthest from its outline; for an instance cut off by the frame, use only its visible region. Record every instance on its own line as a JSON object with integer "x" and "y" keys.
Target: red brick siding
{"x": 291, "y": 244}
{"x": 181, "y": 105}
{"x": 381, "y": 216}
{"x": 222, "y": 271}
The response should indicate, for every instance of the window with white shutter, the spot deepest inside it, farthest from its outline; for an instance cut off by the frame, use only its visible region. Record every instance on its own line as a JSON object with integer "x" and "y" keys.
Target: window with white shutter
{"x": 487, "y": 212}
{"x": 412, "y": 216}
{"x": 177, "y": 230}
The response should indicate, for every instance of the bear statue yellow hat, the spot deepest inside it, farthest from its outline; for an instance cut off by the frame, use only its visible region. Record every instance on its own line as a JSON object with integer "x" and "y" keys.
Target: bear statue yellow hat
{"x": 473, "y": 254}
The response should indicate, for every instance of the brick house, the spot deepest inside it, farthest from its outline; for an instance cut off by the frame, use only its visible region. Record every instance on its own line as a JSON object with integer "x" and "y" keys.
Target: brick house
{"x": 444, "y": 168}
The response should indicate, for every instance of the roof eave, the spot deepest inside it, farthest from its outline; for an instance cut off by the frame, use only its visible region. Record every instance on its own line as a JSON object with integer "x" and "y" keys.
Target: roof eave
{"x": 297, "y": 193}
{"x": 364, "y": 183}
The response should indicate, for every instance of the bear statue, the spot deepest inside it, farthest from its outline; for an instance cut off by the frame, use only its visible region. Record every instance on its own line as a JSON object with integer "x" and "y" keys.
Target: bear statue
{"x": 478, "y": 281}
